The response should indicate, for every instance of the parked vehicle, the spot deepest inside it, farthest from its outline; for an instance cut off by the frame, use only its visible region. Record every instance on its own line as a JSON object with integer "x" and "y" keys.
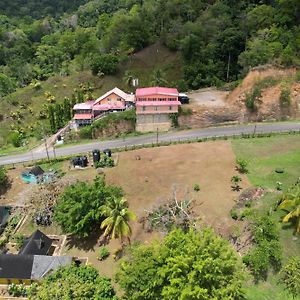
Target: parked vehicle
{"x": 183, "y": 98}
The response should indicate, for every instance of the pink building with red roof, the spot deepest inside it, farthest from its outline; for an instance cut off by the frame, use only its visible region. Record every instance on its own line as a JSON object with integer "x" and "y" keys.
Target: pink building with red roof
{"x": 113, "y": 100}
{"x": 154, "y": 106}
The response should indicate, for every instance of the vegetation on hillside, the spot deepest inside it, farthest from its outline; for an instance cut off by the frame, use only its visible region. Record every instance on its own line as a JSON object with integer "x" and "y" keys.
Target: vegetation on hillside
{"x": 217, "y": 40}
{"x": 212, "y": 42}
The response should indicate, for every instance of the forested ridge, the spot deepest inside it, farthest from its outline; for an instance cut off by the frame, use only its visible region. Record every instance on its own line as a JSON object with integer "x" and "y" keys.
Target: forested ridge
{"x": 218, "y": 40}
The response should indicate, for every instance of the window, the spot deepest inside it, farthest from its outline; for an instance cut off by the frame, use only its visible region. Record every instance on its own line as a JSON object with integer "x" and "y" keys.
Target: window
{"x": 170, "y": 107}
{"x": 155, "y": 107}
{"x": 144, "y": 108}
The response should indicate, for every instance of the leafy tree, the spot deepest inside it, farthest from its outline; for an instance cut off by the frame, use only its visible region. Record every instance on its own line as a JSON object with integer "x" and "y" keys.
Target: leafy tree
{"x": 16, "y": 138}
{"x": 79, "y": 209}
{"x": 128, "y": 78}
{"x": 290, "y": 276}
{"x": 158, "y": 78}
{"x": 73, "y": 282}
{"x": 191, "y": 265}
{"x": 290, "y": 202}
{"x": 6, "y": 85}
{"x": 267, "y": 250}
{"x": 104, "y": 63}
{"x": 117, "y": 217}
{"x": 3, "y": 178}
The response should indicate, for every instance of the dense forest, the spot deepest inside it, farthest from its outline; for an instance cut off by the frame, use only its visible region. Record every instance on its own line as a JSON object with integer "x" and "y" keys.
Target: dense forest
{"x": 218, "y": 40}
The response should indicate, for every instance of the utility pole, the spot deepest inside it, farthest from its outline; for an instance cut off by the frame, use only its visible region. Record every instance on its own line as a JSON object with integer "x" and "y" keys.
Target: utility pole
{"x": 254, "y": 131}
{"x": 46, "y": 147}
{"x": 228, "y": 67}
{"x": 54, "y": 153}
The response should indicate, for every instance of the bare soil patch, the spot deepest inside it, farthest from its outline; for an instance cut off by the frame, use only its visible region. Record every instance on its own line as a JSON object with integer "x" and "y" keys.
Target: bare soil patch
{"x": 208, "y": 97}
{"x": 148, "y": 181}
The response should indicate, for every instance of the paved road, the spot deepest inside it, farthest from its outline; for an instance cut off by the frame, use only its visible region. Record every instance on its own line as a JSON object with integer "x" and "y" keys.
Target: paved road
{"x": 151, "y": 138}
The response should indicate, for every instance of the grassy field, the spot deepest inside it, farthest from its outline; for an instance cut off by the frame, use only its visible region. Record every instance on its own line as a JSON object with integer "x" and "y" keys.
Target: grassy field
{"x": 141, "y": 64}
{"x": 264, "y": 156}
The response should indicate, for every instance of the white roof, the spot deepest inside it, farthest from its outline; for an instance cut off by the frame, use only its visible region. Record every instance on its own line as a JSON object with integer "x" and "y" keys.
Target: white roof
{"x": 117, "y": 91}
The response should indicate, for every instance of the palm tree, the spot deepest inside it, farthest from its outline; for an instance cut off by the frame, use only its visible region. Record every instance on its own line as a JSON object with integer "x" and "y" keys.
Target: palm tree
{"x": 290, "y": 202}
{"x": 158, "y": 78}
{"x": 117, "y": 217}
{"x": 128, "y": 78}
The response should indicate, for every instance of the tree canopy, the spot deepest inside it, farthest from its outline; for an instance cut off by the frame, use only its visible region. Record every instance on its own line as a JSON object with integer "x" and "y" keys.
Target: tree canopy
{"x": 78, "y": 210}
{"x": 185, "y": 265}
{"x": 218, "y": 40}
{"x": 73, "y": 282}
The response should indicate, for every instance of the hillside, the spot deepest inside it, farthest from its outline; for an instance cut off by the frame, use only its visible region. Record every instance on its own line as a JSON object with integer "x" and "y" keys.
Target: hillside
{"x": 28, "y": 102}
{"x": 52, "y": 46}
{"x": 265, "y": 94}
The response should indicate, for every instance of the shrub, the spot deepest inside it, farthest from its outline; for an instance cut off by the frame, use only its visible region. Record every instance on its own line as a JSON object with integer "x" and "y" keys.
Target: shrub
{"x": 246, "y": 213}
{"x": 242, "y": 165}
{"x": 196, "y": 187}
{"x": 279, "y": 170}
{"x": 234, "y": 214}
{"x": 19, "y": 239}
{"x": 3, "y": 177}
{"x": 298, "y": 76}
{"x": 17, "y": 290}
{"x": 16, "y": 139}
{"x": 105, "y": 161}
{"x": 183, "y": 111}
{"x": 267, "y": 250}
{"x": 290, "y": 276}
{"x": 285, "y": 97}
{"x": 85, "y": 132}
{"x": 279, "y": 186}
{"x": 103, "y": 253}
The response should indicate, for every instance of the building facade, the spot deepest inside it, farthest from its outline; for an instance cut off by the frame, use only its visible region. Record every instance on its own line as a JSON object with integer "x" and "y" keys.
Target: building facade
{"x": 154, "y": 106}
{"x": 113, "y": 100}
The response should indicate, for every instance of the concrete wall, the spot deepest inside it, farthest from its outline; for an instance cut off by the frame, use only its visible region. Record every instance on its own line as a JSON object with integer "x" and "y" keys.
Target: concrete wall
{"x": 150, "y": 122}
{"x": 157, "y": 109}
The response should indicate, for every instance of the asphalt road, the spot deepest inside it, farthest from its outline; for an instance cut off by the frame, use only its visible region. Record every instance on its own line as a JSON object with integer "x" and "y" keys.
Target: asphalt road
{"x": 151, "y": 138}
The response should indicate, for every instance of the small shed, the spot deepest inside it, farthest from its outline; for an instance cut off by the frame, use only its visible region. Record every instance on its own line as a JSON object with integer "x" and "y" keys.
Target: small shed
{"x": 34, "y": 175}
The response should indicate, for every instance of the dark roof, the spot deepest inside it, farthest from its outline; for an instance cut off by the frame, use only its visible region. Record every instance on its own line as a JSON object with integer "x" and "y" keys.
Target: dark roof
{"x": 36, "y": 171}
{"x": 37, "y": 244}
{"x": 4, "y": 215}
{"x": 16, "y": 266}
{"x": 33, "y": 267}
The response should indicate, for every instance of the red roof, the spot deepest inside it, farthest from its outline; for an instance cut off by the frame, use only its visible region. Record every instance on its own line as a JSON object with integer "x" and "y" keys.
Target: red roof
{"x": 83, "y": 116}
{"x": 157, "y": 103}
{"x": 156, "y": 90}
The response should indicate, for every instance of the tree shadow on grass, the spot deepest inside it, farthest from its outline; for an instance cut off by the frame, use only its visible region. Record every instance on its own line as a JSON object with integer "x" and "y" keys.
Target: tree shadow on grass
{"x": 86, "y": 244}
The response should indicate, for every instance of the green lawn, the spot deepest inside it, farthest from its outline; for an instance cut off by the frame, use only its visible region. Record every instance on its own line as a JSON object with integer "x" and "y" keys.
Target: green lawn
{"x": 264, "y": 156}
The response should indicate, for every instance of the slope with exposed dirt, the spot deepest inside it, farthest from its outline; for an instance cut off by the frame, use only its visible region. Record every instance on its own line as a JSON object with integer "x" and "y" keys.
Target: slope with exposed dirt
{"x": 211, "y": 107}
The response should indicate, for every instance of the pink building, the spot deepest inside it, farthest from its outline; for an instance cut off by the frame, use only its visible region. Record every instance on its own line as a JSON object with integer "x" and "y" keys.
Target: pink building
{"x": 154, "y": 106}
{"x": 113, "y": 100}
